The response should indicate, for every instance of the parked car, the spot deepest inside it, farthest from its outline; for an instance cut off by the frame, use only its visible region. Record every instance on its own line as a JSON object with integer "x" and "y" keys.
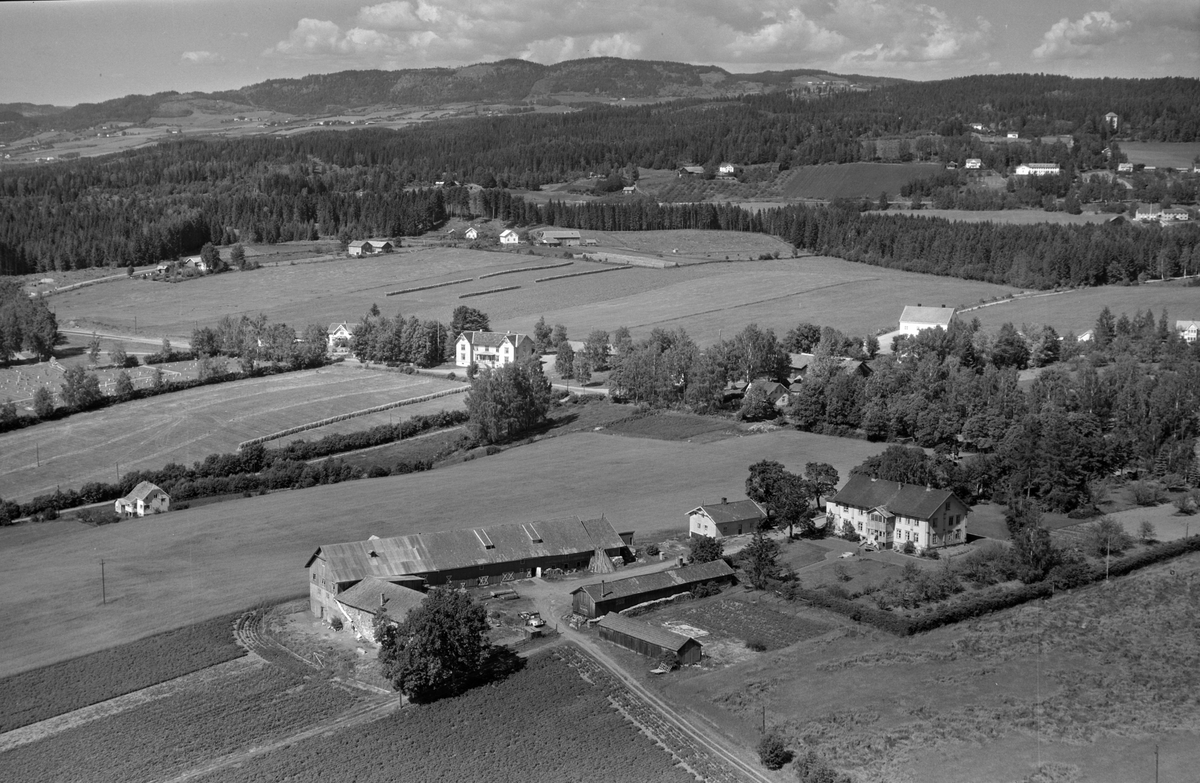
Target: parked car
{"x": 535, "y": 620}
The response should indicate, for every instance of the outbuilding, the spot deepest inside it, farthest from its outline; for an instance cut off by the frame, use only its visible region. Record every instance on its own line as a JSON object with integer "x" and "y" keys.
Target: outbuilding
{"x": 359, "y": 605}
{"x": 649, "y": 640}
{"x": 146, "y": 498}
{"x": 599, "y": 599}
{"x": 717, "y": 520}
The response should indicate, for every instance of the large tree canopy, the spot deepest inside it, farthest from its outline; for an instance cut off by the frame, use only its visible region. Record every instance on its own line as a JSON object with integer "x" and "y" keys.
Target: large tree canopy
{"x": 506, "y": 401}
{"x": 438, "y": 649}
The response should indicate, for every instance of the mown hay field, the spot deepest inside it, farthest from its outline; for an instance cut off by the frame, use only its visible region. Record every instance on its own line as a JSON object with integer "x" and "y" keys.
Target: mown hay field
{"x": 853, "y": 180}
{"x": 1179, "y": 155}
{"x": 706, "y": 299}
{"x": 1077, "y": 310}
{"x": 189, "y": 425}
{"x": 541, "y": 723}
{"x": 1019, "y": 217}
{"x": 186, "y": 566}
{"x": 1081, "y": 687}
{"x": 682, "y": 245}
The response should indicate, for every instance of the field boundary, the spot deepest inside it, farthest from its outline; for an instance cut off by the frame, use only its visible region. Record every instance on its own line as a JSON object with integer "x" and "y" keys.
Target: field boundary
{"x": 427, "y": 287}
{"x": 312, "y": 425}
{"x": 525, "y": 269}
{"x": 489, "y": 291}
{"x": 581, "y": 274}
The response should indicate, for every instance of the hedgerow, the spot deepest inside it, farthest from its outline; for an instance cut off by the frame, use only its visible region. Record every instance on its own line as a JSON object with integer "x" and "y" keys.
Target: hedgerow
{"x": 427, "y": 287}
{"x": 489, "y": 291}
{"x": 526, "y": 269}
{"x": 579, "y": 274}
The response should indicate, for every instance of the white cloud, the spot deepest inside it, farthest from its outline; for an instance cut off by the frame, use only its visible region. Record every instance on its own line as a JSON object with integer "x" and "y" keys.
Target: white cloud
{"x": 1080, "y": 38}
{"x": 201, "y": 58}
{"x": 1139, "y": 27}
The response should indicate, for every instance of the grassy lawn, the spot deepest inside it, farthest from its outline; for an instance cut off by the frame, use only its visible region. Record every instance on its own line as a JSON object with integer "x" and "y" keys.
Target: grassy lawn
{"x": 852, "y": 180}
{"x": 171, "y": 570}
{"x": 1177, "y": 155}
{"x": 674, "y": 426}
{"x": 189, "y": 425}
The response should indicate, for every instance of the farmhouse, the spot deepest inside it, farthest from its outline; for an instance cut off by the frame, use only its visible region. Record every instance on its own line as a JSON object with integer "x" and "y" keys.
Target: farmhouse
{"x": 369, "y": 247}
{"x": 472, "y": 233}
{"x": 1188, "y": 330}
{"x": 915, "y": 319}
{"x": 464, "y": 558}
{"x": 600, "y": 599}
{"x": 1174, "y": 213}
{"x": 1148, "y": 212}
{"x": 1036, "y": 169}
{"x": 726, "y": 170}
{"x": 339, "y": 337}
{"x": 718, "y": 520}
{"x": 1012, "y": 135}
{"x": 559, "y": 238}
{"x": 359, "y": 605}
{"x": 799, "y": 364}
{"x": 776, "y": 393}
{"x": 892, "y": 514}
{"x": 649, "y": 640}
{"x": 691, "y": 171}
{"x": 973, "y": 163}
{"x": 509, "y": 237}
{"x": 1124, "y": 168}
{"x": 492, "y": 349}
{"x": 196, "y": 262}
{"x": 146, "y": 498}
{"x": 1112, "y": 119}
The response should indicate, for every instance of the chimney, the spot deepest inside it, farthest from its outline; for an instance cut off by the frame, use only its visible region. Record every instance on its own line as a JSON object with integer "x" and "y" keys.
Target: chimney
{"x": 382, "y": 600}
{"x": 602, "y": 593}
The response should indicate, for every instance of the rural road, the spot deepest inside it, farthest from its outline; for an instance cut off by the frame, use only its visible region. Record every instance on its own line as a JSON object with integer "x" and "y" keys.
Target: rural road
{"x": 155, "y": 341}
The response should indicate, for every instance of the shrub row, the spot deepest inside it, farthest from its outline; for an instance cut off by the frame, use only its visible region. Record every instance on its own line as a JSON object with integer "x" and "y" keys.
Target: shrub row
{"x": 580, "y": 274}
{"x": 489, "y": 291}
{"x": 427, "y": 287}
{"x": 312, "y": 425}
{"x": 339, "y": 443}
{"x": 170, "y": 356}
{"x": 526, "y": 269}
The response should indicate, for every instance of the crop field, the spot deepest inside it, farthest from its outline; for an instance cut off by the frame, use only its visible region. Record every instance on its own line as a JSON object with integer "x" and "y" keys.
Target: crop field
{"x": 1020, "y": 217}
{"x": 681, "y": 245}
{"x": 59, "y": 688}
{"x": 19, "y": 382}
{"x": 1081, "y": 687}
{"x": 189, "y": 425}
{"x": 732, "y": 619}
{"x": 673, "y": 426}
{"x": 173, "y": 734}
{"x": 853, "y": 180}
{"x": 1179, "y": 155}
{"x": 166, "y": 571}
{"x": 569, "y": 731}
{"x": 706, "y": 299}
{"x": 1077, "y": 310}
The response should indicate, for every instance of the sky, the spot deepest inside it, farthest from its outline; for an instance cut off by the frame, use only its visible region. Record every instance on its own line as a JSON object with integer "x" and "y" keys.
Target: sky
{"x": 77, "y": 51}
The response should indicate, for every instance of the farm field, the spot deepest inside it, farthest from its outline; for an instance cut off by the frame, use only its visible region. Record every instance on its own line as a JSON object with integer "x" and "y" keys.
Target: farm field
{"x": 1020, "y": 217}
{"x": 189, "y": 425}
{"x": 167, "y": 571}
{"x": 1078, "y": 309}
{"x": 695, "y": 244}
{"x": 1085, "y": 685}
{"x": 852, "y": 180}
{"x": 705, "y": 299}
{"x": 569, "y": 732}
{"x": 1179, "y": 155}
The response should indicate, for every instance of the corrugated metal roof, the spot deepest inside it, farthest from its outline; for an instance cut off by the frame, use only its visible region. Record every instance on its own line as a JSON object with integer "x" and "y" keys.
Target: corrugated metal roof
{"x": 563, "y": 234}
{"x": 366, "y": 596}
{"x": 426, "y": 553}
{"x": 654, "y": 634}
{"x": 910, "y": 500}
{"x": 938, "y": 316}
{"x": 661, "y": 580}
{"x": 737, "y": 511}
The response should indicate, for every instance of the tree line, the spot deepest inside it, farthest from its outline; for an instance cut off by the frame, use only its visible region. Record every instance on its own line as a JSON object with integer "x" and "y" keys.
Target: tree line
{"x": 25, "y": 324}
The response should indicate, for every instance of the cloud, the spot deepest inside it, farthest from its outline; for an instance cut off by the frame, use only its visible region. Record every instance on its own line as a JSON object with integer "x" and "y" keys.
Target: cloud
{"x": 1081, "y": 38}
{"x": 1154, "y": 24}
{"x": 201, "y": 58}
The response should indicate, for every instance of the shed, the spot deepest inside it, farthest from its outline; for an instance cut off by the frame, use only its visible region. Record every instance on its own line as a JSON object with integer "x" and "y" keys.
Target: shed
{"x": 649, "y": 640}
{"x": 598, "y": 599}
{"x": 360, "y": 604}
{"x": 717, "y": 520}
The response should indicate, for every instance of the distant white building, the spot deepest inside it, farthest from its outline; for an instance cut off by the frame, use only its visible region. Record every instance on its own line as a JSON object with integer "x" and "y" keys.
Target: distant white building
{"x": 339, "y": 337}
{"x": 146, "y": 498}
{"x": 1124, "y": 168}
{"x": 916, "y": 318}
{"x": 1012, "y": 135}
{"x": 1037, "y": 169}
{"x": 509, "y": 237}
{"x": 369, "y": 247}
{"x": 1112, "y": 119}
{"x": 973, "y": 163}
{"x": 491, "y": 349}
{"x": 1188, "y": 330}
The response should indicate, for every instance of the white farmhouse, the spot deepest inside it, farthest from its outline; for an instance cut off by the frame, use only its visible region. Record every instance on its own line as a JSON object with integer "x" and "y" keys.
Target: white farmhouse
{"x": 891, "y": 514}
{"x": 916, "y": 318}
{"x": 1188, "y": 330}
{"x": 491, "y": 349}
{"x": 1037, "y": 169}
{"x": 146, "y": 498}
{"x": 509, "y": 237}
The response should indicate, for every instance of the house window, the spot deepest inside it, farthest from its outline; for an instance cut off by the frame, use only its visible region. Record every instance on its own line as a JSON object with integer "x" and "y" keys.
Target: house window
{"x": 860, "y": 527}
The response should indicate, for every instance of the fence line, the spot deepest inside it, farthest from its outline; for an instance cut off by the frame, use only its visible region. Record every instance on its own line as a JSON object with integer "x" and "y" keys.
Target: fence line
{"x": 312, "y": 425}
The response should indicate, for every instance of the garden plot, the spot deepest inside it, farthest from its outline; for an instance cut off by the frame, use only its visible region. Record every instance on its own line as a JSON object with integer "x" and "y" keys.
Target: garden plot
{"x": 726, "y": 620}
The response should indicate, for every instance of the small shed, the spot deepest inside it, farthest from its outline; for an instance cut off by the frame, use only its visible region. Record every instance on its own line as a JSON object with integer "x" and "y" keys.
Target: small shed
{"x": 649, "y": 640}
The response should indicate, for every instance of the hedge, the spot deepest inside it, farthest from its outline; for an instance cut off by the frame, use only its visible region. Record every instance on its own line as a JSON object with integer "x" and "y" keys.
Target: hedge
{"x": 580, "y": 274}
{"x": 427, "y": 287}
{"x": 525, "y": 269}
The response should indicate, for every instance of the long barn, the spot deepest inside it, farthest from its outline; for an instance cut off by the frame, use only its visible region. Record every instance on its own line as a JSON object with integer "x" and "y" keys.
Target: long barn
{"x": 466, "y": 558}
{"x": 599, "y": 599}
{"x": 649, "y": 640}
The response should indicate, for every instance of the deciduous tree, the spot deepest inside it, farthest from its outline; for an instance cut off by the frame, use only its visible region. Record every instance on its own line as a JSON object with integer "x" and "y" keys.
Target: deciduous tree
{"x": 439, "y": 648}
{"x": 505, "y": 402}
{"x": 705, "y": 549}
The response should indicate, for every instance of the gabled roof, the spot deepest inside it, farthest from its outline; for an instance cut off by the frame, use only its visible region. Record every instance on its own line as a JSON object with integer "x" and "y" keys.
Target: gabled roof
{"x": 366, "y": 595}
{"x": 772, "y": 389}
{"x": 337, "y": 327}
{"x": 732, "y": 512}
{"x": 426, "y": 553}
{"x": 492, "y": 339}
{"x": 558, "y": 234}
{"x": 668, "y": 640}
{"x": 910, "y": 500}
{"x": 649, "y": 583}
{"x": 142, "y": 491}
{"x": 938, "y": 316}
{"x": 358, "y": 243}
{"x": 1183, "y": 326}
{"x": 508, "y": 232}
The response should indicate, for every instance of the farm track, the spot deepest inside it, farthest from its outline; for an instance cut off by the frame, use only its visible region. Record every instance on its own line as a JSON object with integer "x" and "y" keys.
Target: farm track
{"x": 247, "y": 631}
{"x": 699, "y": 751}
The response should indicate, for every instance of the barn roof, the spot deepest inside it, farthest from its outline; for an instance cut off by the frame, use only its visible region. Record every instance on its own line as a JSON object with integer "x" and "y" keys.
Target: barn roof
{"x": 732, "y": 512}
{"x": 910, "y": 500}
{"x": 559, "y": 234}
{"x": 142, "y": 491}
{"x": 668, "y": 640}
{"x": 937, "y": 316}
{"x": 366, "y": 596}
{"x": 802, "y": 361}
{"x": 649, "y": 583}
{"x": 445, "y": 550}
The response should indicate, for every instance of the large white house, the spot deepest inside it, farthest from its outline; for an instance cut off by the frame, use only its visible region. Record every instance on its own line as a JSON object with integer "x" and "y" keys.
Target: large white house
{"x": 1188, "y": 330}
{"x": 146, "y": 498}
{"x": 891, "y": 514}
{"x": 509, "y": 237}
{"x": 491, "y": 349}
{"x": 916, "y": 318}
{"x": 339, "y": 337}
{"x": 1036, "y": 169}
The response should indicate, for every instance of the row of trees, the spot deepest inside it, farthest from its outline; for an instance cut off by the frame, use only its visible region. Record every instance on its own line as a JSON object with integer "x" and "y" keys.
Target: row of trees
{"x": 252, "y": 341}
{"x": 25, "y": 324}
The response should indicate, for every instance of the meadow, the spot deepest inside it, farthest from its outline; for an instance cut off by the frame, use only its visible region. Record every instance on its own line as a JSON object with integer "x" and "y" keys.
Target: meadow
{"x": 1018, "y": 217}
{"x": 1080, "y": 687}
{"x": 852, "y": 180}
{"x": 189, "y": 425}
{"x": 1163, "y": 154}
{"x": 186, "y": 566}
{"x": 1076, "y": 310}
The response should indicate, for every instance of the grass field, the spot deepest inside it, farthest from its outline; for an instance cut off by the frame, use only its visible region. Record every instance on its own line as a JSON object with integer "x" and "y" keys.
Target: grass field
{"x": 706, "y": 299}
{"x": 189, "y": 425}
{"x": 167, "y": 571}
{"x": 1077, "y": 310}
{"x": 1020, "y": 217}
{"x": 683, "y": 245}
{"x": 853, "y": 180}
{"x": 1161, "y": 153}
{"x": 1085, "y": 685}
